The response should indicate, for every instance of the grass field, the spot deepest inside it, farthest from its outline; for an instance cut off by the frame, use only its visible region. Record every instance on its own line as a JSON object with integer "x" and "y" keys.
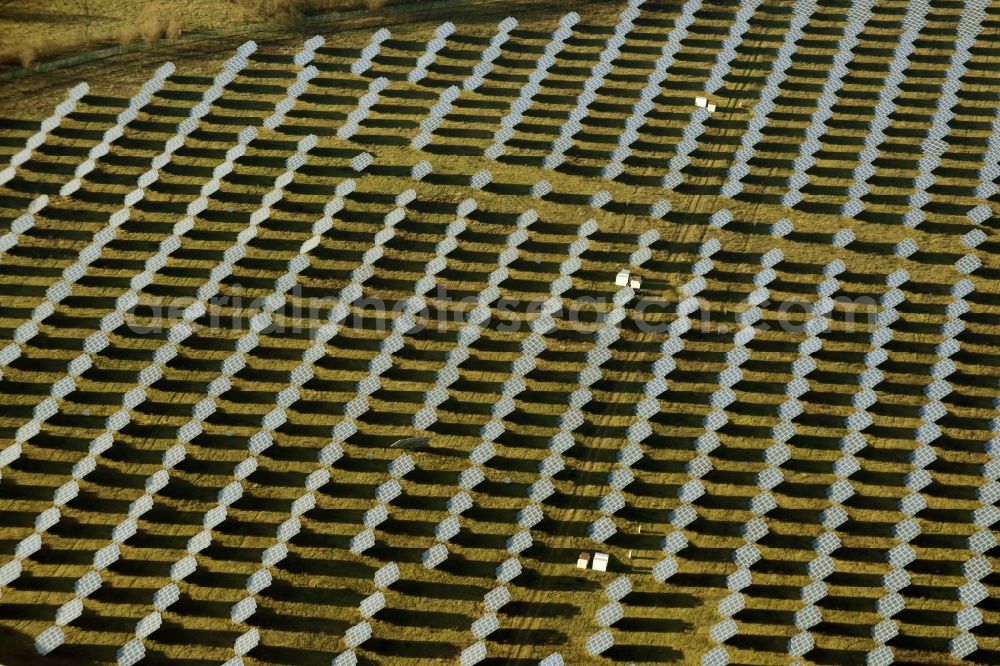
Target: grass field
{"x": 313, "y": 600}
{"x": 33, "y": 33}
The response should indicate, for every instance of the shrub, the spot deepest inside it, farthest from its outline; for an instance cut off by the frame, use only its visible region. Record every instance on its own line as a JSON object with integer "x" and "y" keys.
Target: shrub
{"x": 27, "y": 54}
{"x": 155, "y": 22}
{"x": 174, "y": 29}
{"x": 128, "y": 34}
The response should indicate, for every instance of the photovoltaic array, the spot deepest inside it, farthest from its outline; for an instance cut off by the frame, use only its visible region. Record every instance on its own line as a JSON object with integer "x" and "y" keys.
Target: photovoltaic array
{"x": 351, "y": 352}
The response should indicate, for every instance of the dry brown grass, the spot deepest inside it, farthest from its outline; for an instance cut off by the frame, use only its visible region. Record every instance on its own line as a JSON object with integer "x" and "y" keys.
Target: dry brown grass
{"x": 64, "y": 29}
{"x": 147, "y": 23}
{"x": 27, "y": 55}
{"x": 153, "y": 23}
{"x": 31, "y": 51}
{"x": 294, "y": 9}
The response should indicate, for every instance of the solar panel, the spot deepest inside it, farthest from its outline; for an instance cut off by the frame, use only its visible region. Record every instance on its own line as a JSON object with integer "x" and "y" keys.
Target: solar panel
{"x": 447, "y": 529}
{"x": 229, "y": 494}
{"x": 386, "y": 576}
{"x": 730, "y": 376}
{"x": 388, "y": 491}
{"x": 746, "y": 555}
{"x": 980, "y": 542}
{"x": 762, "y": 503}
{"x": 611, "y": 503}
{"x": 496, "y": 598}
{"x": 648, "y": 408}
{"x": 480, "y": 179}
{"x": 49, "y": 640}
{"x": 754, "y": 530}
{"x": 715, "y": 420}
{"x": 602, "y": 529}
{"x": 483, "y": 453}
{"x": 840, "y": 491}
{"x": 85, "y": 466}
{"x": 86, "y": 585}
{"x": 259, "y": 580}
{"x": 421, "y": 170}
{"x": 956, "y": 308}
{"x": 620, "y": 478}
{"x": 47, "y": 519}
{"x": 540, "y": 490}
{"x": 492, "y": 430}
{"x": 720, "y": 218}
{"x": 731, "y": 605}
{"x": 982, "y": 212}
{"x": 69, "y": 611}
{"x": 963, "y": 645}
{"x": 362, "y": 161}
{"x": 570, "y": 266}
{"x": 529, "y": 516}
{"x": 459, "y": 503}
{"x": 664, "y": 569}
{"x": 123, "y": 531}
{"x": 246, "y": 642}
{"x": 952, "y": 328}
{"x": 781, "y": 228}
{"x": 65, "y": 493}
{"x": 723, "y": 631}
{"x": 803, "y": 366}
{"x": 148, "y": 625}
{"x": 933, "y": 411}
{"x": 815, "y": 591}
{"x": 551, "y": 466}
{"x": 807, "y": 617}
{"x": 276, "y": 553}
{"x": 852, "y": 208}
{"x": 600, "y": 199}
{"x": 609, "y": 614}
{"x": 508, "y": 570}
{"x": 353, "y": 409}
{"x": 987, "y": 515}
{"x": 362, "y": 542}
{"x": 401, "y": 466}
{"x": 232, "y": 364}
{"x": 889, "y": 605}
{"x": 698, "y": 467}
{"x": 968, "y": 264}
{"x": 972, "y": 593}
{"x": 738, "y": 580}
{"x": 473, "y": 654}
{"x": 375, "y": 516}
{"x": 600, "y": 642}
{"x": 485, "y": 626}
{"x": 907, "y": 530}
{"x": 357, "y": 634}
{"x": 925, "y": 434}
{"x": 636, "y": 433}
{"x": 183, "y": 568}
{"x": 371, "y": 604}
{"x": 471, "y": 477}
{"x": 897, "y": 578}
{"x": 563, "y": 441}
{"x": 434, "y": 556}
{"x": 918, "y": 479}
{"x": 346, "y": 658}
{"x": 166, "y": 596}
